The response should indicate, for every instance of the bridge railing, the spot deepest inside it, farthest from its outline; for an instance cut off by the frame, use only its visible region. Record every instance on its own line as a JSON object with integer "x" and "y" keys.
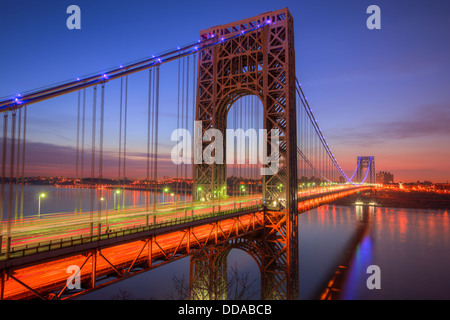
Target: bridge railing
{"x": 17, "y": 252}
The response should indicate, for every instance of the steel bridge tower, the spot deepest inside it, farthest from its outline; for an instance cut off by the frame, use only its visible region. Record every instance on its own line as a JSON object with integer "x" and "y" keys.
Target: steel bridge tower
{"x": 366, "y": 163}
{"x": 260, "y": 63}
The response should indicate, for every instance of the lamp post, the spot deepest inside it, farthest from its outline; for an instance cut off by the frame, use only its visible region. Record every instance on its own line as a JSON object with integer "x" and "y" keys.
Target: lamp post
{"x": 198, "y": 190}
{"x": 106, "y": 219}
{"x": 164, "y": 191}
{"x": 42, "y": 195}
{"x": 116, "y": 193}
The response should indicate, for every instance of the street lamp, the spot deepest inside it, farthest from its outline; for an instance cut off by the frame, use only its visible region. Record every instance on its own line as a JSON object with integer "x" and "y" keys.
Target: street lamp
{"x": 164, "y": 191}
{"x": 42, "y": 195}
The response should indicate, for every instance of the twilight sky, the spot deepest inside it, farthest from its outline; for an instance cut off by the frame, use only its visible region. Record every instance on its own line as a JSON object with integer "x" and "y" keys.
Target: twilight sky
{"x": 374, "y": 92}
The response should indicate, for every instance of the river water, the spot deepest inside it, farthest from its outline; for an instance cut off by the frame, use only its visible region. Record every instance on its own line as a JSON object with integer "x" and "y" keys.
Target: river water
{"x": 411, "y": 247}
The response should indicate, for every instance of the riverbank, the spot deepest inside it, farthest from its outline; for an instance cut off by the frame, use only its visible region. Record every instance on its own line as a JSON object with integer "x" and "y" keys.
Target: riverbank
{"x": 399, "y": 199}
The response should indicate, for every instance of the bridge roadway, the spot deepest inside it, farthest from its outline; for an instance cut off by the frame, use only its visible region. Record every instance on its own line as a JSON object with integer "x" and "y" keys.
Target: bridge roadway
{"x": 136, "y": 242}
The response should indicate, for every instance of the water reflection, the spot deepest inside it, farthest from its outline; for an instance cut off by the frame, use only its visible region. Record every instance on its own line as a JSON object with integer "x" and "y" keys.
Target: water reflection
{"x": 410, "y": 246}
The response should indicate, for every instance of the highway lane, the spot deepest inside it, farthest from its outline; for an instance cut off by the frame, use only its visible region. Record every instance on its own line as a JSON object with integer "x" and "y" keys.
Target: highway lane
{"x": 54, "y": 227}
{"x": 54, "y": 274}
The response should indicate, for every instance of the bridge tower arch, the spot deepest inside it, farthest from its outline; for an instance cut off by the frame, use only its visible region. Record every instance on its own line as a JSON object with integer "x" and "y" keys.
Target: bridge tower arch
{"x": 259, "y": 62}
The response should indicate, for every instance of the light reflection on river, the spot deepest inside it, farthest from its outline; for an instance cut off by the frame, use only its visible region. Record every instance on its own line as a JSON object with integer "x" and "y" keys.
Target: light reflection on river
{"x": 410, "y": 246}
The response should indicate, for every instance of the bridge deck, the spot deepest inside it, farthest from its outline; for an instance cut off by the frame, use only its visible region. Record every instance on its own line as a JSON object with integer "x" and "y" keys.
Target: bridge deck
{"x": 42, "y": 270}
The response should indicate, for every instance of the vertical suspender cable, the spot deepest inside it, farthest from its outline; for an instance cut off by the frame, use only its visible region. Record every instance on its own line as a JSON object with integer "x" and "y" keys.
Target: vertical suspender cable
{"x": 183, "y": 73}
{"x": 186, "y": 125}
{"x": 83, "y": 122}
{"x": 156, "y": 133}
{"x": 23, "y": 159}
{"x": 16, "y": 207}
{"x": 147, "y": 197}
{"x": 125, "y": 142}
{"x": 178, "y": 123}
{"x": 11, "y": 177}
{"x": 194, "y": 106}
{"x": 119, "y": 181}
{"x": 102, "y": 120}
{"x": 152, "y": 146}
{"x": 2, "y": 192}
{"x": 152, "y": 141}
{"x": 94, "y": 112}
{"x": 100, "y": 158}
{"x": 77, "y": 151}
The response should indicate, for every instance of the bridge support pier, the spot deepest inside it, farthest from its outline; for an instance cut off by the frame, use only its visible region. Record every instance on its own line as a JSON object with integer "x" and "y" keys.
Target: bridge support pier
{"x": 275, "y": 252}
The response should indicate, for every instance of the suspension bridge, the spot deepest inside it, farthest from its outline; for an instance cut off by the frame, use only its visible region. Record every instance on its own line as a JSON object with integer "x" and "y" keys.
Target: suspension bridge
{"x": 239, "y": 75}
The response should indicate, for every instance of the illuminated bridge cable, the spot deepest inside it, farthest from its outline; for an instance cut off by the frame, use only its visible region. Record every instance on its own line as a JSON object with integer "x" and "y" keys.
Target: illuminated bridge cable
{"x": 321, "y": 137}
{"x": 65, "y": 87}
{"x": 317, "y": 129}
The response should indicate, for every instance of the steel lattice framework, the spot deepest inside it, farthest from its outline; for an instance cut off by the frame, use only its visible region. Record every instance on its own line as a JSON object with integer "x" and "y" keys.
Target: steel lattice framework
{"x": 261, "y": 63}
{"x": 365, "y": 169}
